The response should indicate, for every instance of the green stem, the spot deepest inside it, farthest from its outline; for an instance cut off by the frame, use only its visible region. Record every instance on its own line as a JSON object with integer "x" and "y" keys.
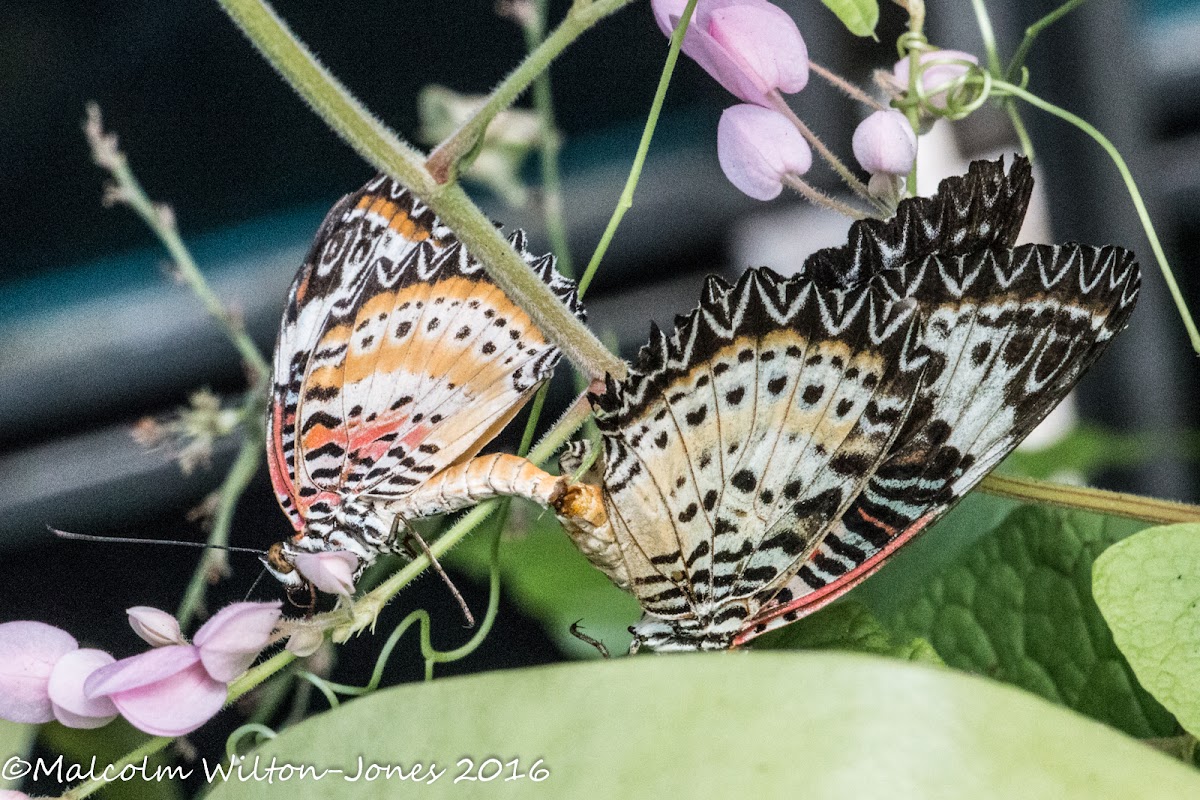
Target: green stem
{"x": 625, "y": 202}
{"x": 383, "y": 149}
{"x": 1014, "y": 115}
{"x": 326, "y": 94}
{"x": 989, "y": 37}
{"x": 846, "y": 87}
{"x": 819, "y": 198}
{"x": 522, "y": 285}
{"x": 162, "y": 222}
{"x": 93, "y": 784}
{"x": 1100, "y": 501}
{"x": 543, "y": 102}
{"x": 244, "y": 468}
{"x": 847, "y": 176}
{"x": 1031, "y": 33}
{"x": 1134, "y": 194}
{"x": 581, "y": 16}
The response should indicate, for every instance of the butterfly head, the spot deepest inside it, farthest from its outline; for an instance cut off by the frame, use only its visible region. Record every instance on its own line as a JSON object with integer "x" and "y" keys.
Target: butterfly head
{"x": 332, "y": 571}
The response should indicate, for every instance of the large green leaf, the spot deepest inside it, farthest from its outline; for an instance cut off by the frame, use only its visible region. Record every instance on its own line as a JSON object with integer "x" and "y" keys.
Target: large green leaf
{"x": 859, "y": 16}
{"x": 1017, "y": 606}
{"x": 1148, "y": 587}
{"x": 788, "y": 725}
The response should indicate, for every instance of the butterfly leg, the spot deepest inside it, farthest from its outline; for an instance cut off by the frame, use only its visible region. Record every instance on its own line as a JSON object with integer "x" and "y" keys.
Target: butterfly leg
{"x": 578, "y": 633}
{"x": 411, "y": 537}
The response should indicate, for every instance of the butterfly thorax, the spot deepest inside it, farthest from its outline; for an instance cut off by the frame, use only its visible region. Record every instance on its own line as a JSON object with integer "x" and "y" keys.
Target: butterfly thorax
{"x": 336, "y": 522}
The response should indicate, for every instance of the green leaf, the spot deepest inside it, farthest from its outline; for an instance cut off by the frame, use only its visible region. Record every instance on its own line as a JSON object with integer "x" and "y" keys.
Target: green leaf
{"x": 847, "y": 625}
{"x": 1017, "y": 606}
{"x": 859, "y": 16}
{"x": 1148, "y": 588}
{"x": 811, "y": 725}
{"x": 911, "y": 569}
{"x": 543, "y": 573}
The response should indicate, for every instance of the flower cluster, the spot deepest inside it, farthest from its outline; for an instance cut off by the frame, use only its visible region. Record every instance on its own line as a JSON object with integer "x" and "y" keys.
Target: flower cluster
{"x": 170, "y": 690}
{"x": 755, "y": 50}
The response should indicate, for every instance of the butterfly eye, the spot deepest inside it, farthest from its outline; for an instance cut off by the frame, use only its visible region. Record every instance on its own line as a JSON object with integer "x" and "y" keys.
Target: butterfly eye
{"x": 277, "y": 560}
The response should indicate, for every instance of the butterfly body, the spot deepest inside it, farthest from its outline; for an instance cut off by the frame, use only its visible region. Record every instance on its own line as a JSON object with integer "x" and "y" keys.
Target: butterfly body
{"x": 792, "y": 433}
{"x": 398, "y": 359}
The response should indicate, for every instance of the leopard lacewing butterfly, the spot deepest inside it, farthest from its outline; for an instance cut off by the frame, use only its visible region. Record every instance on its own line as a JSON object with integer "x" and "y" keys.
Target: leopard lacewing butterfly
{"x": 792, "y": 433}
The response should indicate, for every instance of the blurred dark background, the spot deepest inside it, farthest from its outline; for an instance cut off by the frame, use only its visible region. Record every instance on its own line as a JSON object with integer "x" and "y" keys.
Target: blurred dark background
{"x": 95, "y": 335}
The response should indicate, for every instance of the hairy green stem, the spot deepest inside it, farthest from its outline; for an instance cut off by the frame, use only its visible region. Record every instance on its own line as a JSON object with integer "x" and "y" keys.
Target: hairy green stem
{"x": 383, "y": 149}
{"x": 846, "y": 87}
{"x": 1134, "y": 194}
{"x": 91, "y": 785}
{"x": 625, "y": 202}
{"x": 1100, "y": 501}
{"x": 847, "y": 176}
{"x": 817, "y": 197}
{"x": 326, "y": 94}
{"x": 581, "y": 16}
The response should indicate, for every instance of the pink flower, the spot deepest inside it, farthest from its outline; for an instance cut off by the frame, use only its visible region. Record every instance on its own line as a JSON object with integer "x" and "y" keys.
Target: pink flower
{"x": 885, "y": 143}
{"x": 175, "y": 688}
{"x": 757, "y": 147}
{"x": 233, "y": 638}
{"x": 750, "y": 47}
{"x": 71, "y": 705}
{"x": 12, "y": 794}
{"x": 165, "y": 691}
{"x": 331, "y": 571}
{"x": 42, "y": 671}
{"x": 941, "y": 72}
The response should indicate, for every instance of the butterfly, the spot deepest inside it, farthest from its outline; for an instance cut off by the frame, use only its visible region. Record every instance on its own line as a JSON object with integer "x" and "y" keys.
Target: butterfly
{"x": 792, "y": 433}
{"x": 398, "y": 359}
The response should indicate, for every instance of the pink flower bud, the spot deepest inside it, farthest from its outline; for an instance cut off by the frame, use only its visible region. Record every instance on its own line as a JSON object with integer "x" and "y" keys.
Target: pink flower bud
{"x": 331, "y": 571}
{"x": 885, "y": 143}
{"x": 305, "y": 641}
{"x": 65, "y": 689}
{"x": 750, "y": 47}
{"x": 157, "y": 628}
{"x": 233, "y": 638}
{"x": 165, "y": 691}
{"x": 940, "y": 73}
{"x": 13, "y": 794}
{"x": 28, "y": 653}
{"x": 757, "y": 147}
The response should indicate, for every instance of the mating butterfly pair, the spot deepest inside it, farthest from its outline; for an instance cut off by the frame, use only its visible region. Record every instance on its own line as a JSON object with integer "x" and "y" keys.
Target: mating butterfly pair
{"x": 792, "y": 433}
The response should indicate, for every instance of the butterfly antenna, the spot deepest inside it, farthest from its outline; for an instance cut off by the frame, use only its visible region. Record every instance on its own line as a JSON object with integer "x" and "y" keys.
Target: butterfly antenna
{"x": 578, "y": 633}
{"x": 83, "y": 537}
{"x": 437, "y": 567}
{"x": 254, "y": 585}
